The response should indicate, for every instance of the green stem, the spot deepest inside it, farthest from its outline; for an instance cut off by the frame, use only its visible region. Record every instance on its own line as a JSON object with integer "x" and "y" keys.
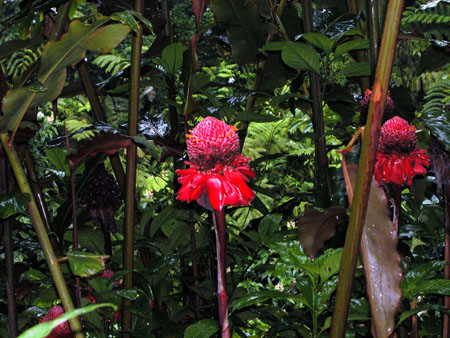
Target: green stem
{"x": 373, "y": 30}
{"x": 321, "y": 179}
{"x": 366, "y": 168}
{"x": 42, "y": 235}
{"x": 130, "y": 186}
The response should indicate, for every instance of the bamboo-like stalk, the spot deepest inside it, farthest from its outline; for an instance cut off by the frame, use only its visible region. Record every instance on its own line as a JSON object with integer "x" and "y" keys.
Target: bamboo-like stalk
{"x": 258, "y": 80}
{"x": 366, "y": 168}
{"x": 130, "y": 186}
{"x": 221, "y": 242}
{"x": 74, "y": 218}
{"x": 321, "y": 179}
{"x": 446, "y": 322}
{"x": 9, "y": 253}
{"x": 41, "y": 233}
{"x": 39, "y": 195}
{"x": 373, "y": 31}
{"x": 364, "y": 81}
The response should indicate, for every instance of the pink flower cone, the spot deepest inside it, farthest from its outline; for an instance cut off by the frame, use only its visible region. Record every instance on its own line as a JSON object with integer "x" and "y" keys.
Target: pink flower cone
{"x": 218, "y": 173}
{"x": 398, "y": 158}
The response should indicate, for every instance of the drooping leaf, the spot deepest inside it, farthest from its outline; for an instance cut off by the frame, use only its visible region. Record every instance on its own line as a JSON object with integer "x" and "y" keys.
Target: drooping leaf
{"x": 300, "y": 56}
{"x": 107, "y": 143}
{"x": 355, "y": 69}
{"x": 249, "y": 116}
{"x": 44, "y": 329}
{"x": 348, "y": 46}
{"x": 204, "y": 328}
{"x": 315, "y": 228}
{"x": 262, "y": 296}
{"x": 380, "y": 258}
{"x": 85, "y": 264}
{"x": 55, "y": 57}
{"x": 10, "y": 47}
{"x": 57, "y": 157}
{"x": 11, "y": 204}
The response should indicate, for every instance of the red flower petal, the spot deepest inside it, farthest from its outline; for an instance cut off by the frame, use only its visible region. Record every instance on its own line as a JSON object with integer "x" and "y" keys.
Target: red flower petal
{"x": 398, "y": 173}
{"x": 215, "y": 193}
{"x": 418, "y": 168}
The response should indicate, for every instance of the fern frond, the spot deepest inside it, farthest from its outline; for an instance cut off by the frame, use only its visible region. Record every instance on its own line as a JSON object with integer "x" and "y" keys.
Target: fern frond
{"x": 430, "y": 17}
{"x": 112, "y": 63}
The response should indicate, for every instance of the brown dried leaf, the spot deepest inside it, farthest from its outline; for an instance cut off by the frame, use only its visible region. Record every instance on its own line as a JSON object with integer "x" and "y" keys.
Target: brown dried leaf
{"x": 380, "y": 258}
{"x": 107, "y": 143}
{"x": 315, "y": 228}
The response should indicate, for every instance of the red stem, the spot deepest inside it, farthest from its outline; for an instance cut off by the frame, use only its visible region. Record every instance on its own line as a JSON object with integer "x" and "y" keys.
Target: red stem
{"x": 220, "y": 230}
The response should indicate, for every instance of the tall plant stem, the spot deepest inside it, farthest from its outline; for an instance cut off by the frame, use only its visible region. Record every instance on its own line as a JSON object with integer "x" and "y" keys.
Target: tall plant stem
{"x": 39, "y": 195}
{"x": 373, "y": 31}
{"x": 194, "y": 257}
{"x": 42, "y": 235}
{"x": 446, "y": 324}
{"x": 221, "y": 242}
{"x": 258, "y": 79}
{"x": 321, "y": 179}
{"x": 364, "y": 81}
{"x": 366, "y": 168}
{"x": 74, "y": 218}
{"x": 9, "y": 253}
{"x": 130, "y": 186}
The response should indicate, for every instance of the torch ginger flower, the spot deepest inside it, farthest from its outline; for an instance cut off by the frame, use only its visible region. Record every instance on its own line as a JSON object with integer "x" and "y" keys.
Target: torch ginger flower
{"x": 398, "y": 158}
{"x": 62, "y": 330}
{"x": 218, "y": 172}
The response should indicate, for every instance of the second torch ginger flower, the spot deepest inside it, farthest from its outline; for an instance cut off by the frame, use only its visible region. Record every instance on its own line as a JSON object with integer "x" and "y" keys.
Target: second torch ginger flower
{"x": 398, "y": 158}
{"x": 218, "y": 173}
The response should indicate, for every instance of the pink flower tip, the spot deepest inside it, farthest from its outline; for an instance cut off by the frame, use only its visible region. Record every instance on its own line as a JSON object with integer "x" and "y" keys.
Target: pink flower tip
{"x": 218, "y": 173}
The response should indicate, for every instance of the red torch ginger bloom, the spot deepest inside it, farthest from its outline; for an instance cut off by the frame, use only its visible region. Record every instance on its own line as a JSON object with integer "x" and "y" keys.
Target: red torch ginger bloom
{"x": 218, "y": 172}
{"x": 398, "y": 158}
{"x": 62, "y": 330}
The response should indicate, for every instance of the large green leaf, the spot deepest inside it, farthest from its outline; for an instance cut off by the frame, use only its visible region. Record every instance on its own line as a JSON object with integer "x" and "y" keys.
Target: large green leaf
{"x": 11, "y": 204}
{"x": 319, "y": 40}
{"x": 380, "y": 258}
{"x": 55, "y": 57}
{"x": 300, "y": 56}
{"x": 85, "y": 264}
{"x": 204, "y": 328}
{"x": 439, "y": 125}
{"x": 245, "y": 30}
{"x": 44, "y": 329}
{"x": 172, "y": 57}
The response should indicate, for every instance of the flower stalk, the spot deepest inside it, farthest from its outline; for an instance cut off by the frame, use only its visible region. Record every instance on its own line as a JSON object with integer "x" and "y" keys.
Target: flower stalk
{"x": 221, "y": 242}
{"x": 366, "y": 168}
{"x": 41, "y": 233}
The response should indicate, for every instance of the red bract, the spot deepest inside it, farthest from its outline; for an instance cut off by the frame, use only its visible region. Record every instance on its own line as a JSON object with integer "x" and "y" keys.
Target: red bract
{"x": 61, "y": 331}
{"x": 217, "y": 174}
{"x": 398, "y": 158}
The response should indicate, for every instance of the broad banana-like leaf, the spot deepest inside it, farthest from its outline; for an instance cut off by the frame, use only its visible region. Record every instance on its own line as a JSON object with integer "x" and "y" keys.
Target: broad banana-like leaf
{"x": 54, "y": 59}
{"x": 380, "y": 258}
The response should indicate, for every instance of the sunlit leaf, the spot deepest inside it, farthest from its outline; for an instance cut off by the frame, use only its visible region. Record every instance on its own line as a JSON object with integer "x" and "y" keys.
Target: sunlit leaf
{"x": 204, "y": 328}
{"x": 300, "y": 56}
{"x": 11, "y": 204}
{"x": 85, "y": 264}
